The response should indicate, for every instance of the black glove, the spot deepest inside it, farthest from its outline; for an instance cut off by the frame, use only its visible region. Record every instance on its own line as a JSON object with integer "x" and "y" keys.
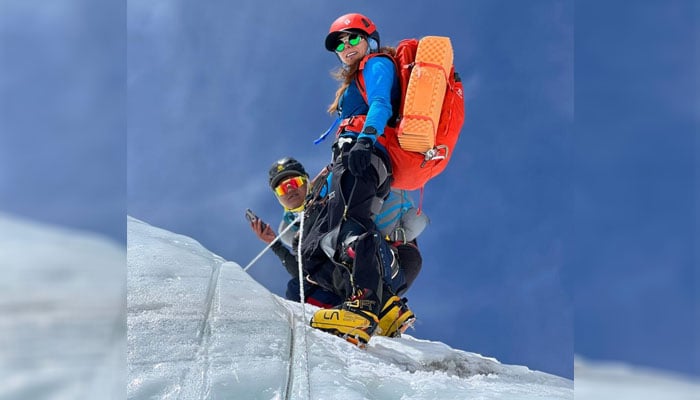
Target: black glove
{"x": 360, "y": 155}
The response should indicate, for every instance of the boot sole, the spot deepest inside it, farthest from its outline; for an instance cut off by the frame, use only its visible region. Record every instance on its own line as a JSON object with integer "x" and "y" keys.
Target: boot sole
{"x": 355, "y": 330}
{"x": 359, "y": 339}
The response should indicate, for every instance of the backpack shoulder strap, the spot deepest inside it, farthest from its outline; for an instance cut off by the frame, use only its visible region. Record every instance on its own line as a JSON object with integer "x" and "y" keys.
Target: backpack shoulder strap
{"x": 360, "y": 78}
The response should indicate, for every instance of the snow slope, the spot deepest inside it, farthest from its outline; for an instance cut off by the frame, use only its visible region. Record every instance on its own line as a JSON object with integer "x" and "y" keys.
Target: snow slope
{"x": 62, "y": 311}
{"x": 596, "y": 380}
{"x": 201, "y": 328}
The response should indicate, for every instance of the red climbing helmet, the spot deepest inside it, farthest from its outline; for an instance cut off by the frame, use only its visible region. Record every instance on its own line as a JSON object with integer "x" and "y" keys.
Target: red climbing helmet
{"x": 352, "y": 22}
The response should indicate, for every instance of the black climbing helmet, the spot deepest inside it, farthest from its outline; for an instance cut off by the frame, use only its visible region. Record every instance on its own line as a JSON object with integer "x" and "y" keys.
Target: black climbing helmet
{"x": 284, "y": 168}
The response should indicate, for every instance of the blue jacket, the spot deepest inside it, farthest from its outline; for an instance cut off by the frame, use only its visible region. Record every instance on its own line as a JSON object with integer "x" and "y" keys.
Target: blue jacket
{"x": 382, "y": 86}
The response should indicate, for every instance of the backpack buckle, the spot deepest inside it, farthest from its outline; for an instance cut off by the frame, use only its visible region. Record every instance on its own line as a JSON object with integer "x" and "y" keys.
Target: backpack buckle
{"x": 352, "y": 124}
{"x": 438, "y": 152}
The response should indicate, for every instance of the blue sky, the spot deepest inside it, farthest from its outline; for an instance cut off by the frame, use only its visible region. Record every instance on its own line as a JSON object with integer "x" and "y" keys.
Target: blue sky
{"x": 215, "y": 96}
{"x": 569, "y": 205}
{"x": 62, "y": 113}
{"x": 634, "y": 260}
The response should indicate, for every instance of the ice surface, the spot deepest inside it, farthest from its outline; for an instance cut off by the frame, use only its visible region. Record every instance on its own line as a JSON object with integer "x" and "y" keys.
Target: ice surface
{"x": 201, "y": 328}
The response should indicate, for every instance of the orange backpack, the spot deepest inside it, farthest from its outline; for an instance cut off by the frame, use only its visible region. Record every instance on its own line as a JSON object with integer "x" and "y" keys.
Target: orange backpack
{"x": 421, "y": 141}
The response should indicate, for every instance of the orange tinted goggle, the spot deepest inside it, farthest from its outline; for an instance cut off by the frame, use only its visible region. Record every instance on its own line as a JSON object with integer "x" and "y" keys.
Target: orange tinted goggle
{"x": 290, "y": 184}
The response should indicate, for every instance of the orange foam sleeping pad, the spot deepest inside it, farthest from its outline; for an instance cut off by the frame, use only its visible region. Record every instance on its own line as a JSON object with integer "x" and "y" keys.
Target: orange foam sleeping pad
{"x": 425, "y": 94}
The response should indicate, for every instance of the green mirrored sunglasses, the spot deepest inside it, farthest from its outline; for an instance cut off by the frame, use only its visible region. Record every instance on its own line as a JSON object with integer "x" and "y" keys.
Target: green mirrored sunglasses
{"x": 353, "y": 40}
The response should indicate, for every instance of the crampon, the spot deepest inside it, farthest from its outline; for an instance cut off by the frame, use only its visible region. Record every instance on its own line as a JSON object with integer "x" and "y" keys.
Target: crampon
{"x": 395, "y": 317}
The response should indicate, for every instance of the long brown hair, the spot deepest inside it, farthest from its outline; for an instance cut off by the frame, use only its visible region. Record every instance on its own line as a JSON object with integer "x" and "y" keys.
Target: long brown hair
{"x": 346, "y": 74}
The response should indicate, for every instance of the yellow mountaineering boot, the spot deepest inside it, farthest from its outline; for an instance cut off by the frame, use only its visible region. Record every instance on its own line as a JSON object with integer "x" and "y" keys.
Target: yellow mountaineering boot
{"x": 350, "y": 321}
{"x": 395, "y": 317}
